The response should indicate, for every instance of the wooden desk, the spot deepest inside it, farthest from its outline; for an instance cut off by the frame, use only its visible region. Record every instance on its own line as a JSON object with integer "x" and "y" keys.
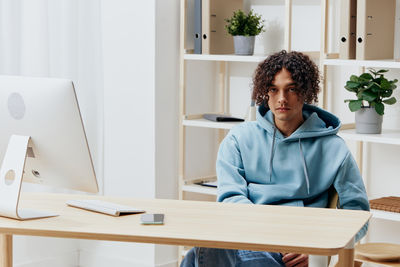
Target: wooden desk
{"x": 207, "y": 224}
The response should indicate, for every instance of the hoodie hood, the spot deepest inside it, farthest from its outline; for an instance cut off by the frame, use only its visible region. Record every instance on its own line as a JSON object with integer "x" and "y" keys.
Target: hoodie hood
{"x": 317, "y": 123}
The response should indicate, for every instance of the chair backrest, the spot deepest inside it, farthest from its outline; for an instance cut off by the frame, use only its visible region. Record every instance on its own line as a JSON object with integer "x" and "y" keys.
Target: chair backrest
{"x": 333, "y": 198}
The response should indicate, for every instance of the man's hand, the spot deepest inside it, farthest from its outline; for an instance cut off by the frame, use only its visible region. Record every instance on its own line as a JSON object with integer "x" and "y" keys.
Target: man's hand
{"x": 295, "y": 260}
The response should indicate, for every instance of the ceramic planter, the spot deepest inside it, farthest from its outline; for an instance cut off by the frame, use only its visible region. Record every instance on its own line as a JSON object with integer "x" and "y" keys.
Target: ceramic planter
{"x": 368, "y": 121}
{"x": 244, "y": 45}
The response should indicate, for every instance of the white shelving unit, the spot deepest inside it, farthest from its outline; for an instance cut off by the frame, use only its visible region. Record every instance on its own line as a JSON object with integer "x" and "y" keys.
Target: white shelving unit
{"x": 228, "y": 58}
{"x": 236, "y": 58}
{"x": 386, "y": 215}
{"x": 209, "y": 124}
{"x": 391, "y": 137}
{"x": 194, "y": 188}
{"x": 326, "y": 60}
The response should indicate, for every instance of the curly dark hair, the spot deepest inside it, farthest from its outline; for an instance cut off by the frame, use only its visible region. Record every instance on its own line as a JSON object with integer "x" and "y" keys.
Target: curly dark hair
{"x": 303, "y": 70}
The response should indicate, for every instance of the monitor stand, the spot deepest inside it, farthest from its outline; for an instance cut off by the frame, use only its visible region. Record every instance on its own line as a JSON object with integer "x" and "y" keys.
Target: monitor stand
{"x": 11, "y": 174}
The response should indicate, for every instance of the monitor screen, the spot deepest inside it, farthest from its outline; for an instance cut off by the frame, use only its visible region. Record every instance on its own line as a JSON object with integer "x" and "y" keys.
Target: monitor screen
{"x": 47, "y": 110}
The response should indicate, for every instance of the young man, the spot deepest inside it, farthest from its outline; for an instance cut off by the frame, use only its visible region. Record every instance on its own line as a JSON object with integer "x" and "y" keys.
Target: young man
{"x": 290, "y": 155}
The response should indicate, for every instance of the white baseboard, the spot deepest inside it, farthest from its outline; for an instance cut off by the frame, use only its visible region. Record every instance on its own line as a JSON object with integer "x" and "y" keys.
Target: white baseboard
{"x": 67, "y": 259}
{"x": 93, "y": 259}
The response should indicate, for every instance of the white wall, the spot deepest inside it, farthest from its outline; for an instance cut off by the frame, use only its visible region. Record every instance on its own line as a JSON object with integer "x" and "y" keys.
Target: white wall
{"x": 129, "y": 93}
{"x": 166, "y": 112}
{"x": 166, "y": 97}
{"x": 140, "y": 57}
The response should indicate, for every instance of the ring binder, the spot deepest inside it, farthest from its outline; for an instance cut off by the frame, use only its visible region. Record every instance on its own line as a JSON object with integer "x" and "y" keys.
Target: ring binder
{"x": 214, "y": 12}
{"x": 348, "y": 11}
{"x": 375, "y": 29}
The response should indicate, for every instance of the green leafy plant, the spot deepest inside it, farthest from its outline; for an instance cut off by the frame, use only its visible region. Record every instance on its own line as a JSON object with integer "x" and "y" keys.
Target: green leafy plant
{"x": 246, "y": 25}
{"x": 373, "y": 88}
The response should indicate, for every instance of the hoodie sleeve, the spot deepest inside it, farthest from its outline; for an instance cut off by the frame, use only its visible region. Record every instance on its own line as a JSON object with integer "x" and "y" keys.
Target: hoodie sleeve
{"x": 232, "y": 185}
{"x": 351, "y": 190}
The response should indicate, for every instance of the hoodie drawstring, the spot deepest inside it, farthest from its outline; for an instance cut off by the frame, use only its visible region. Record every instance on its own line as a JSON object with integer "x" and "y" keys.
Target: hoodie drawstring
{"x": 302, "y": 158}
{"x": 271, "y": 156}
{"x": 304, "y": 167}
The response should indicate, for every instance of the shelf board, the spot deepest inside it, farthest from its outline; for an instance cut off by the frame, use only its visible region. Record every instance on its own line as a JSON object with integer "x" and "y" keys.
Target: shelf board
{"x": 194, "y": 188}
{"x": 386, "y": 137}
{"x": 386, "y": 215}
{"x": 388, "y": 63}
{"x": 226, "y": 57}
{"x": 235, "y": 58}
{"x": 209, "y": 124}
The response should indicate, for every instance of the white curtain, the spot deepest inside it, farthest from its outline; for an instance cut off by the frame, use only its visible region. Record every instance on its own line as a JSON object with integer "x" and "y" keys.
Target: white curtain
{"x": 62, "y": 39}
{"x": 58, "y": 38}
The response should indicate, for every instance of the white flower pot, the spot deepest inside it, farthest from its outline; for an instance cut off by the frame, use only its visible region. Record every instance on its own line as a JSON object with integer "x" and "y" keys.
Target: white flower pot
{"x": 244, "y": 45}
{"x": 368, "y": 121}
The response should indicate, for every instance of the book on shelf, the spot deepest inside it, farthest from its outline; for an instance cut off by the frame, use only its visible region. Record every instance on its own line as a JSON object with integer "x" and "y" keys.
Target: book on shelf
{"x": 375, "y": 29}
{"x": 209, "y": 183}
{"x": 391, "y": 204}
{"x": 220, "y": 117}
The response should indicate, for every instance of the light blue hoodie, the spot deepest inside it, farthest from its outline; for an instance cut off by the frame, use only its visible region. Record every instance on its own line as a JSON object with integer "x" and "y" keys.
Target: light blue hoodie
{"x": 257, "y": 164}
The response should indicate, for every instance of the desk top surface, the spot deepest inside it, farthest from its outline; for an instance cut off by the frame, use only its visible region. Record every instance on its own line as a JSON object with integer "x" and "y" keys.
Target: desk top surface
{"x": 195, "y": 223}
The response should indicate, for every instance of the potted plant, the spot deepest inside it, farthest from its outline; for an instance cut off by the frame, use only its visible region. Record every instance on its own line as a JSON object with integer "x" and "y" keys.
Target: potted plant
{"x": 376, "y": 90}
{"x": 244, "y": 28}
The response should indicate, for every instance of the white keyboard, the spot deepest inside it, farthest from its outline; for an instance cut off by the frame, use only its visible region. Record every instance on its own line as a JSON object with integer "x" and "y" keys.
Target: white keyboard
{"x": 103, "y": 207}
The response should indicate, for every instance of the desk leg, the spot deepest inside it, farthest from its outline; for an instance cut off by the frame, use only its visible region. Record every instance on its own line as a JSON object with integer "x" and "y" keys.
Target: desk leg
{"x": 346, "y": 258}
{"x": 346, "y": 255}
{"x": 6, "y": 245}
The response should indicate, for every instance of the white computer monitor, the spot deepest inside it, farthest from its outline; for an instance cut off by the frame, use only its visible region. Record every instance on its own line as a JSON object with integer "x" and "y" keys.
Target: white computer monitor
{"x": 47, "y": 111}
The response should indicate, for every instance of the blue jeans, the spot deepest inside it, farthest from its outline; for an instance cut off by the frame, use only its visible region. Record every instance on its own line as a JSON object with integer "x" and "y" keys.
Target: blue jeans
{"x": 214, "y": 257}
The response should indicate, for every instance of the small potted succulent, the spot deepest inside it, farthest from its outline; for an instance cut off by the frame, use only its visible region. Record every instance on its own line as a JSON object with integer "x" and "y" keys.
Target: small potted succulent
{"x": 244, "y": 28}
{"x": 373, "y": 90}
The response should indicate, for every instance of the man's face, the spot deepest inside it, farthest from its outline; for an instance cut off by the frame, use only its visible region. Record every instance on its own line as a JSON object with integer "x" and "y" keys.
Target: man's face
{"x": 284, "y": 101}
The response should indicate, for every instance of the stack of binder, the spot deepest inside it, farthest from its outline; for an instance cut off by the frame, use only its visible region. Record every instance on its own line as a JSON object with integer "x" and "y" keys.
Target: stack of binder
{"x": 210, "y": 36}
{"x": 367, "y": 29}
